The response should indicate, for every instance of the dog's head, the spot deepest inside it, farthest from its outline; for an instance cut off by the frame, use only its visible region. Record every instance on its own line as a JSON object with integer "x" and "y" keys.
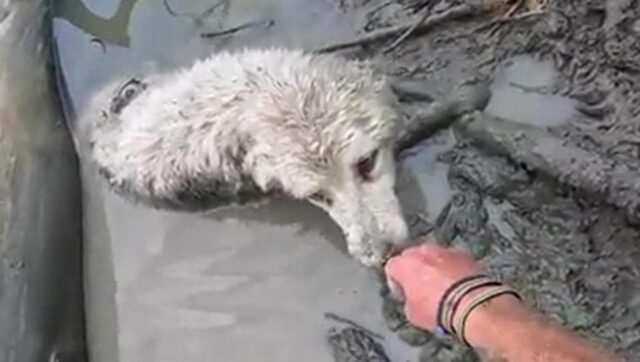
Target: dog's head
{"x": 360, "y": 197}
{"x": 335, "y": 149}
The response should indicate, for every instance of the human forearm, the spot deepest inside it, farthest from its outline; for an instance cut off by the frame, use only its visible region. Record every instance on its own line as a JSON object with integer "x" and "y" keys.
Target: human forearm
{"x": 504, "y": 329}
{"x": 448, "y": 291}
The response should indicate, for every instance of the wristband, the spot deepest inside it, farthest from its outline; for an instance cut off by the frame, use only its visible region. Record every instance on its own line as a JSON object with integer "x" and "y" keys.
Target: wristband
{"x": 478, "y": 300}
{"x": 458, "y": 295}
{"x": 445, "y": 297}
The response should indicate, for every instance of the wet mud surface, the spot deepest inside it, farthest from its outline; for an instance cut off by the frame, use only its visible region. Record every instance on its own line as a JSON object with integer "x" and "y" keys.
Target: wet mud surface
{"x": 543, "y": 185}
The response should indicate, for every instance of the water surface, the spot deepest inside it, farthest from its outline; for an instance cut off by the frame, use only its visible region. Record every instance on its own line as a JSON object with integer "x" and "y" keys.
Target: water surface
{"x": 522, "y": 92}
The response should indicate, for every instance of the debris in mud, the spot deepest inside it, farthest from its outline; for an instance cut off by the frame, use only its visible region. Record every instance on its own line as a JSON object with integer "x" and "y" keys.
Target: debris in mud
{"x": 250, "y": 25}
{"x": 539, "y": 151}
{"x": 354, "y": 343}
{"x": 438, "y": 114}
{"x": 423, "y": 25}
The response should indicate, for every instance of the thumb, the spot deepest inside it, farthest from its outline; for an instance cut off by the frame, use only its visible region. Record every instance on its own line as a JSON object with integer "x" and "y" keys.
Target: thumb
{"x": 395, "y": 288}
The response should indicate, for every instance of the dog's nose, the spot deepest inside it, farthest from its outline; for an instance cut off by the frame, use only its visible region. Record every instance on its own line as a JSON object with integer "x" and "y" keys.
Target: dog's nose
{"x": 395, "y": 230}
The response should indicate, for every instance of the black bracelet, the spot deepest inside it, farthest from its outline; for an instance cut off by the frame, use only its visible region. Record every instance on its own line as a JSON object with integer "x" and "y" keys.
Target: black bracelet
{"x": 456, "y": 302}
{"x": 446, "y": 294}
{"x": 478, "y": 300}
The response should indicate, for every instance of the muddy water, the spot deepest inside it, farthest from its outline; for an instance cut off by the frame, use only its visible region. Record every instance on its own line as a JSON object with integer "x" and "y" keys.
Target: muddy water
{"x": 522, "y": 91}
{"x": 243, "y": 285}
{"x": 430, "y": 173}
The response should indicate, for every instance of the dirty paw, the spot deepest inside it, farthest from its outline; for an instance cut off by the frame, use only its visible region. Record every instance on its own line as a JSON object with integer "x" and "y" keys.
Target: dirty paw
{"x": 369, "y": 255}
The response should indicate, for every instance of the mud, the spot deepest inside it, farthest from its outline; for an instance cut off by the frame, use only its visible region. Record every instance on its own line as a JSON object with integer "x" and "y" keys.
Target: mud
{"x": 543, "y": 185}
{"x": 350, "y": 342}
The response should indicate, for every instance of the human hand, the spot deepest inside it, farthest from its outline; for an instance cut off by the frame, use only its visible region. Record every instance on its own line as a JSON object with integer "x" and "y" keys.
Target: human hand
{"x": 424, "y": 273}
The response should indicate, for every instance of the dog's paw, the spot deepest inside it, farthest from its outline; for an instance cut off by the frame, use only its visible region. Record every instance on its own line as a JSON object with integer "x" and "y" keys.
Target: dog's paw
{"x": 370, "y": 254}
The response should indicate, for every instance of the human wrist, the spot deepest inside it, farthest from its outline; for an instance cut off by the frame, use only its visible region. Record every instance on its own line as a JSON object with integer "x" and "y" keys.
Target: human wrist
{"x": 489, "y": 323}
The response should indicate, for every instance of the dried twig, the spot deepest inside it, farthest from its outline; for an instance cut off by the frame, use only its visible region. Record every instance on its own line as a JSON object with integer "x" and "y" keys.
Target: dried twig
{"x": 263, "y": 23}
{"x": 454, "y": 13}
{"x": 503, "y": 20}
{"x": 514, "y": 8}
{"x": 544, "y": 90}
{"x": 407, "y": 34}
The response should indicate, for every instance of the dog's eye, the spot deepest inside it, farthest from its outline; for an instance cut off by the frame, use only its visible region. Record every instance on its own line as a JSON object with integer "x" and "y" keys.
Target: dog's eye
{"x": 126, "y": 94}
{"x": 129, "y": 93}
{"x": 366, "y": 165}
{"x": 131, "y": 89}
{"x": 322, "y": 198}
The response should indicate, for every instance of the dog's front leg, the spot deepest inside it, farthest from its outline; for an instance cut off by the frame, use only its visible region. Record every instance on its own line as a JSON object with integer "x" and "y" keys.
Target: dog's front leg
{"x": 369, "y": 253}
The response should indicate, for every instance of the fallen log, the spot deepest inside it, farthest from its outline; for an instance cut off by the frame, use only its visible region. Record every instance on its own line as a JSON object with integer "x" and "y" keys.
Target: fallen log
{"x": 594, "y": 176}
{"x": 440, "y": 114}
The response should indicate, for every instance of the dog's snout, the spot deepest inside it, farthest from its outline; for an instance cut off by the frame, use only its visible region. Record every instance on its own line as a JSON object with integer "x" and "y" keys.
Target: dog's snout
{"x": 394, "y": 230}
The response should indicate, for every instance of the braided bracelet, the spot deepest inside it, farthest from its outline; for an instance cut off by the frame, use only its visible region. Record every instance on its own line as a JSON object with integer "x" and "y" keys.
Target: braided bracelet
{"x": 478, "y": 300}
{"x": 443, "y": 301}
{"x": 457, "y": 296}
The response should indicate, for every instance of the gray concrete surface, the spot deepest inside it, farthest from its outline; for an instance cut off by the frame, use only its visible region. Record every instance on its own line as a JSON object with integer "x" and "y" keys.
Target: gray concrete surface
{"x": 41, "y": 305}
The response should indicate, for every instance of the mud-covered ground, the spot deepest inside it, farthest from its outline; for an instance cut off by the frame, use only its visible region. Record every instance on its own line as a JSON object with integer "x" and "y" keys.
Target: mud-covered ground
{"x": 549, "y": 196}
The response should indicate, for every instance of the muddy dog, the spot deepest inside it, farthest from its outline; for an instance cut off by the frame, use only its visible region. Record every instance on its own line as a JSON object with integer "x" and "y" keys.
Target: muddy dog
{"x": 240, "y": 126}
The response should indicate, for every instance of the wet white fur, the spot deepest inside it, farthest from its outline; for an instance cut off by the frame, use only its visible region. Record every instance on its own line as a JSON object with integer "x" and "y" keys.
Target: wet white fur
{"x": 265, "y": 121}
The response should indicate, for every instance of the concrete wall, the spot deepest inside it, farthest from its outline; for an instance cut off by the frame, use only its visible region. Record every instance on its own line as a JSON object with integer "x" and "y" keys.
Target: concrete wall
{"x": 41, "y": 306}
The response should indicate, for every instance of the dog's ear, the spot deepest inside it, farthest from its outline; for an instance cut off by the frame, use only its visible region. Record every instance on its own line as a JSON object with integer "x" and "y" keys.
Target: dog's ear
{"x": 298, "y": 183}
{"x": 283, "y": 175}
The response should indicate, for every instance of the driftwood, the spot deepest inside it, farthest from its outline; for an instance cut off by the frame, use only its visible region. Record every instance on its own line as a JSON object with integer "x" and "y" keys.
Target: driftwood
{"x": 422, "y": 26}
{"x": 407, "y": 34}
{"x": 595, "y": 176}
{"x": 439, "y": 114}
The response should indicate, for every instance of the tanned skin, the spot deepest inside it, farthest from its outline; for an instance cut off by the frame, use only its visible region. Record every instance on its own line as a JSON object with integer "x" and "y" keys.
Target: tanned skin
{"x": 502, "y": 329}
